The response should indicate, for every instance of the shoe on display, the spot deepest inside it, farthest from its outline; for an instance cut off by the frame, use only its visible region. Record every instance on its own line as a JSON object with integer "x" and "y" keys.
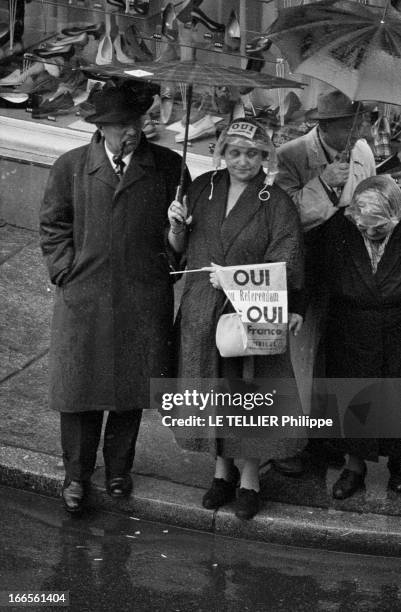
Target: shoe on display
{"x": 80, "y": 40}
{"x": 137, "y": 7}
{"x": 169, "y": 23}
{"x": 54, "y": 67}
{"x": 117, "y": 3}
{"x": 198, "y": 16}
{"x": 17, "y": 77}
{"x": 104, "y": 54}
{"x": 62, "y": 105}
{"x": 43, "y": 83}
{"x": 203, "y": 127}
{"x": 133, "y": 47}
{"x": 233, "y": 33}
{"x": 67, "y": 51}
{"x": 167, "y": 93}
{"x": 96, "y": 30}
{"x": 183, "y": 9}
{"x": 120, "y": 55}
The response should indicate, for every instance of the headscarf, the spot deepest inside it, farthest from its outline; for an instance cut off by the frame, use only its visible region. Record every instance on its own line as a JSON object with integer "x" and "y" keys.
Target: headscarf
{"x": 388, "y": 200}
{"x": 386, "y": 211}
{"x": 248, "y": 132}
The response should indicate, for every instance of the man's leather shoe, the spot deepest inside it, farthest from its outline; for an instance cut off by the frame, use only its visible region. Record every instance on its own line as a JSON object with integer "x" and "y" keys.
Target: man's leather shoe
{"x": 349, "y": 483}
{"x": 73, "y": 496}
{"x": 248, "y": 504}
{"x": 221, "y": 492}
{"x": 298, "y": 464}
{"x": 119, "y": 486}
{"x": 290, "y": 466}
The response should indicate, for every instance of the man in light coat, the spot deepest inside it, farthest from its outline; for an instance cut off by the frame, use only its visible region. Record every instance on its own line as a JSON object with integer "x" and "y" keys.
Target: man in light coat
{"x": 102, "y": 227}
{"x": 320, "y": 171}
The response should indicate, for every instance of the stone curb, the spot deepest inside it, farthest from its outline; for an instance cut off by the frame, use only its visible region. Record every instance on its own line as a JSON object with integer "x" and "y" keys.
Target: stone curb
{"x": 168, "y": 502}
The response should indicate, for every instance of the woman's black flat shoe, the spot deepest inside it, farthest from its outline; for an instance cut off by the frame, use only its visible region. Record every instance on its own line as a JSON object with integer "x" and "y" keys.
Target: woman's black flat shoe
{"x": 248, "y": 504}
{"x": 349, "y": 483}
{"x": 221, "y": 492}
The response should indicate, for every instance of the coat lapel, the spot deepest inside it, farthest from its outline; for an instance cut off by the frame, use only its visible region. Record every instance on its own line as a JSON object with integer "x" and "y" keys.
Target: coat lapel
{"x": 244, "y": 210}
{"x": 99, "y": 165}
{"x": 142, "y": 160}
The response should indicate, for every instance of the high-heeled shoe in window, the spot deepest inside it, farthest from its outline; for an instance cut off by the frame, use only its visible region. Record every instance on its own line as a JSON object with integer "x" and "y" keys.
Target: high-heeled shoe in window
{"x": 169, "y": 23}
{"x": 135, "y": 47}
{"x": 183, "y": 9}
{"x": 233, "y": 32}
{"x": 117, "y": 3}
{"x": 96, "y": 30}
{"x": 120, "y": 55}
{"x": 137, "y": 7}
{"x": 167, "y": 92}
{"x": 199, "y": 16}
{"x": 104, "y": 54}
{"x": 78, "y": 39}
{"x": 258, "y": 45}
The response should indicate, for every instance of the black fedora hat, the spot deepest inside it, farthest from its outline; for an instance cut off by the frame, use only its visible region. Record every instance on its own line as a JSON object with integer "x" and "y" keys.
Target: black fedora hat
{"x": 118, "y": 105}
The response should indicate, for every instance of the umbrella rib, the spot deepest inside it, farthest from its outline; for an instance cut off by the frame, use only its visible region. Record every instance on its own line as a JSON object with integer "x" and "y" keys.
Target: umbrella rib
{"x": 316, "y": 24}
{"x": 343, "y": 39}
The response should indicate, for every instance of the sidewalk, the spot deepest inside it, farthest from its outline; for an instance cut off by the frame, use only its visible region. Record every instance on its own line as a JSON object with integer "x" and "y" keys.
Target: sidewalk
{"x": 168, "y": 482}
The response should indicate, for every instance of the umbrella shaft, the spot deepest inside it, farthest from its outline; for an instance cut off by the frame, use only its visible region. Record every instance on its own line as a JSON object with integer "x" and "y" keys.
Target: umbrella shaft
{"x": 184, "y": 151}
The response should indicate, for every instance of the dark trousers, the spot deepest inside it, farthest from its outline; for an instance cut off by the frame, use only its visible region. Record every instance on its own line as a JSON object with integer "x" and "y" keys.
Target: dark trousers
{"x": 80, "y": 437}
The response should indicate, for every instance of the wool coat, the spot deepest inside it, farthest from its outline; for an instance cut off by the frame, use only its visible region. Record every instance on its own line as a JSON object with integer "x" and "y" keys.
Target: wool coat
{"x": 104, "y": 244}
{"x": 253, "y": 232}
{"x": 363, "y": 335}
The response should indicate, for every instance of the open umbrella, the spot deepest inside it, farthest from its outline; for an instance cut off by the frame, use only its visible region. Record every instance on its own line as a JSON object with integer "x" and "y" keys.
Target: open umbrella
{"x": 192, "y": 73}
{"x": 351, "y": 46}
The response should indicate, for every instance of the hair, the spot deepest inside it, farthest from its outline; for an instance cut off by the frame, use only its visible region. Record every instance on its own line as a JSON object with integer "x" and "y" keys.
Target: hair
{"x": 385, "y": 186}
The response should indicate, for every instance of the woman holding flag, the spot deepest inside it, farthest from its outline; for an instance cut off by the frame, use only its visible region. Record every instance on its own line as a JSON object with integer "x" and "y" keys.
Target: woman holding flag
{"x": 235, "y": 217}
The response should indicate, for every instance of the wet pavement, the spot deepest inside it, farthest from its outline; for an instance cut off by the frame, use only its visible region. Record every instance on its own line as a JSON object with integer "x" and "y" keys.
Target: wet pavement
{"x": 113, "y": 562}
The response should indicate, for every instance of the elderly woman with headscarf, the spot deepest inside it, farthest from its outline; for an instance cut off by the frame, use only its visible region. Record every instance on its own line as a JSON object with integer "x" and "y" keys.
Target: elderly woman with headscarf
{"x": 236, "y": 217}
{"x": 363, "y": 337}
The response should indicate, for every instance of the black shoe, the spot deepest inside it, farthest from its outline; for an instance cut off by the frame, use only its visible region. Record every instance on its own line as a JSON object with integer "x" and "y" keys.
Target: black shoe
{"x": 199, "y": 16}
{"x": 291, "y": 466}
{"x": 73, "y": 495}
{"x": 300, "y": 463}
{"x": 119, "y": 486}
{"x": 349, "y": 483}
{"x": 96, "y": 30}
{"x": 221, "y": 492}
{"x": 248, "y": 504}
{"x": 394, "y": 482}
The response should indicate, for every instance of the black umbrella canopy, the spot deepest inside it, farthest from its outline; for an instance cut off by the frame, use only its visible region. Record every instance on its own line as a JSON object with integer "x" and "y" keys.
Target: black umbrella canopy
{"x": 192, "y": 73}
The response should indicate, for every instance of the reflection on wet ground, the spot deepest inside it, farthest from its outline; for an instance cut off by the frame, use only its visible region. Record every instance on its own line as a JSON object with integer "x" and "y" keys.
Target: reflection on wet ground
{"x": 114, "y": 562}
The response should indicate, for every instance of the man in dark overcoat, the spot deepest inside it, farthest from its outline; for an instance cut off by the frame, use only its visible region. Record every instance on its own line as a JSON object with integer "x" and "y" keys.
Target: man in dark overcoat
{"x": 102, "y": 227}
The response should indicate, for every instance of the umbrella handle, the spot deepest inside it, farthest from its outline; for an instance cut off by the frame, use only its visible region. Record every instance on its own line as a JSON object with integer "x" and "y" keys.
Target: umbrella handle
{"x": 179, "y": 194}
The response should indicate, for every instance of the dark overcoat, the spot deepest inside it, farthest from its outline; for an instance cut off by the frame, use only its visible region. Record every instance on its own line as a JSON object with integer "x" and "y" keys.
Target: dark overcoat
{"x": 104, "y": 244}
{"x": 363, "y": 336}
{"x": 253, "y": 232}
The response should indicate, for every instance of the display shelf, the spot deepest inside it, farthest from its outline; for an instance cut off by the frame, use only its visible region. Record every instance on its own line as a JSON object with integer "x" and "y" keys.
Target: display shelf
{"x": 102, "y": 7}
